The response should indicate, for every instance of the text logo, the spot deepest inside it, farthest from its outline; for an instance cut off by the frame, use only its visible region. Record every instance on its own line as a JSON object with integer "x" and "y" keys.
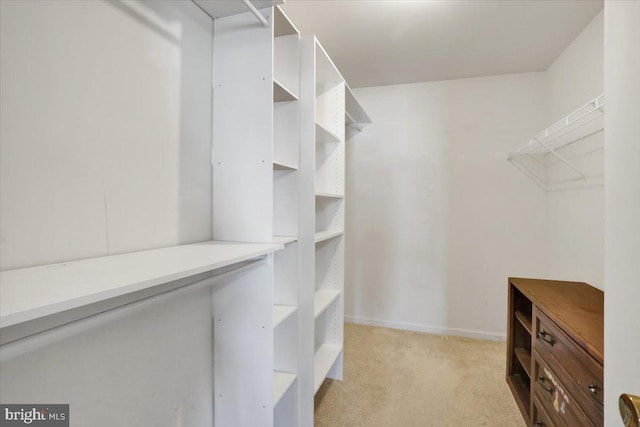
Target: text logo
{"x": 34, "y": 415}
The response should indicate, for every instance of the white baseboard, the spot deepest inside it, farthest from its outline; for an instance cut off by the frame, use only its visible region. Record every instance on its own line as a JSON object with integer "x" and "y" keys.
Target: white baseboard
{"x": 467, "y": 333}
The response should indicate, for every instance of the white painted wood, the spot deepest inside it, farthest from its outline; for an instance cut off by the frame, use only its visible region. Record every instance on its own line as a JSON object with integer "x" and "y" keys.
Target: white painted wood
{"x": 285, "y": 413}
{"x": 622, "y": 209}
{"x": 306, "y": 349}
{"x": 285, "y": 203}
{"x": 282, "y": 381}
{"x": 286, "y": 133}
{"x": 35, "y": 292}
{"x": 321, "y": 236}
{"x": 153, "y": 360}
{"x": 324, "y": 298}
{"x": 242, "y": 154}
{"x": 220, "y": 9}
{"x": 353, "y": 109}
{"x": 285, "y": 345}
{"x": 287, "y": 275}
{"x": 324, "y": 359}
{"x": 243, "y": 347}
{"x": 281, "y": 313}
{"x": 97, "y": 163}
{"x": 282, "y": 25}
{"x": 283, "y": 167}
{"x": 325, "y": 72}
{"x": 286, "y": 63}
{"x": 329, "y": 214}
{"x": 324, "y": 135}
{"x": 330, "y": 195}
{"x": 284, "y": 240}
{"x": 327, "y": 99}
{"x": 281, "y": 93}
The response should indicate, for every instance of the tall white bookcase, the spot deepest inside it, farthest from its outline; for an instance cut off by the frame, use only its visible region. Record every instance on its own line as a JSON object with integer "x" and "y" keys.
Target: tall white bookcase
{"x": 256, "y": 199}
{"x": 322, "y": 163}
{"x": 279, "y": 176}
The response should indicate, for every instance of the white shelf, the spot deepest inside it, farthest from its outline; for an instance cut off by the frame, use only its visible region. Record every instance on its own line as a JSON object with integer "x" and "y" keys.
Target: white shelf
{"x": 330, "y": 195}
{"x": 219, "y": 9}
{"x": 326, "y": 235}
{"x": 354, "y": 113}
{"x": 282, "y": 381}
{"x": 31, "y": 293}
{"x": 325, "y": 136}
{"x": 281, "y": 313}
{"x": 282, "y": 167}
{"x": 281, "y": 93}
{"x": 282, "y": 25}
{"x": 323, "y": 360}
{"x": 577, "y": 126}
{"x": 284, "y": 240}
{"x": 581, "y": 123}
{"x": 322, "y": 300}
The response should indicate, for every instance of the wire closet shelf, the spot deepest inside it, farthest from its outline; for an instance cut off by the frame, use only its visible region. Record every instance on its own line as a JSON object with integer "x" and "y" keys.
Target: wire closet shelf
{"x": 578, "y": 125}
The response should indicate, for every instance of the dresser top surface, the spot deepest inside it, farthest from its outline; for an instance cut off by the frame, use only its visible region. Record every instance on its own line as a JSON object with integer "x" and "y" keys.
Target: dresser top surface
{"x": 577, "y": 307}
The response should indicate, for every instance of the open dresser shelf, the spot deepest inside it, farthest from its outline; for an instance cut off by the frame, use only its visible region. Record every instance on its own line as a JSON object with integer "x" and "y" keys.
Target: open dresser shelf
{"x": 555, "y": 352}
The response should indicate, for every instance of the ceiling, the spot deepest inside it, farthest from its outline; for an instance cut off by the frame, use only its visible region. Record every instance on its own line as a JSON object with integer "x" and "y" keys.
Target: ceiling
{"x": 384, "y": 42}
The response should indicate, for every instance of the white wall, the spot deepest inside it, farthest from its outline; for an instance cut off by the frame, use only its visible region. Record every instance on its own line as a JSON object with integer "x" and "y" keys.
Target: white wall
{"x": 437, "y": 219}
{"x": 106, "y": 128}
{"x": 622, "y": 211}
{"x": 106, "y": 148}
{"x": 145, "y": 364}
{"x": 575, "y": 217}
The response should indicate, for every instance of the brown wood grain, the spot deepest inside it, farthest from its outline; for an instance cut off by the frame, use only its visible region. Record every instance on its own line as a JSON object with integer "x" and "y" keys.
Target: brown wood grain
{"x": 577, "y": 306}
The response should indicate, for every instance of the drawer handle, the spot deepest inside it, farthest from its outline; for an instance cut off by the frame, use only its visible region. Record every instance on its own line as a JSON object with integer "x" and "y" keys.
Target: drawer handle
{"x": 593, "y": 388}
{"x": 539, "y": 424}
{"x": 542, "y": 381}
{"x": 546, "y": 337}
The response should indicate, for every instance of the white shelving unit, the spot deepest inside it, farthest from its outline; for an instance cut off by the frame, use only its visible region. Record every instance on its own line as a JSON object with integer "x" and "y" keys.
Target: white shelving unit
{"x": 324, "y": 359}
{"x": 38, "y": 298}
{"x": 275, "y": 269}
{"x": 321, "y": 236}
{"x": 556, "y": 145}
{"x": 322, "y": 165}
{"x": 323, "y": 299}
{"x": 282, "y": 382}
{"x": 221, "y": 9}
{"x": 257, "y": 195}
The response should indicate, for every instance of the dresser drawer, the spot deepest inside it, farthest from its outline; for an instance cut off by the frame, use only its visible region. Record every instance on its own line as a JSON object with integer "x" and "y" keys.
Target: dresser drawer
{"x": 586, "y": 373}
{"x": 555, "y": 397}
{"x": 540, "y": 417}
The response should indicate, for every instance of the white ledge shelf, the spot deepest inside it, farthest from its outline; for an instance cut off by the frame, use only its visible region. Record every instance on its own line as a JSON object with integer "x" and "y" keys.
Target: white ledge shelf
{"x": 284, "y": 240}
{"x": 330, "y": 195}
{"x": 581, "y": 123}
{"x": 281, "y": 313}
{"x": 33, "y": 293}
{"x": 321, "y": 236}
{"x": 282, "y": 381}
{"x": 282, "y": 25}
{"x": 323, "y": 360}
{"x": 354, "y": 113}
{"x": 283, "y": 167}
{"x": 322, "y": 300}
{"x": 325, "y": 136}
{"x": 281, "y": 93}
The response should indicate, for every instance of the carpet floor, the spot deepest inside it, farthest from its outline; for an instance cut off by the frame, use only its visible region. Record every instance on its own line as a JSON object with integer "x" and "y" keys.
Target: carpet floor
{"x": 396, "y": 378}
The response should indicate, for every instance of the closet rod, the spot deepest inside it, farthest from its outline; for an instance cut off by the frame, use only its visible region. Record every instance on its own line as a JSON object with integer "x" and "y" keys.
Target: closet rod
{"x": 256, "y": 12}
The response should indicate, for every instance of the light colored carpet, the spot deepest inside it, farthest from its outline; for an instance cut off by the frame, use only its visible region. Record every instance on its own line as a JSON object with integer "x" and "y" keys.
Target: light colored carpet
{"x": 398, "y": 378}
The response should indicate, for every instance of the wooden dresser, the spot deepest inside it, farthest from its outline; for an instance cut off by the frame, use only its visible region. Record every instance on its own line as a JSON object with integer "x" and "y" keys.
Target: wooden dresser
{"x": 555, "y": 352}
